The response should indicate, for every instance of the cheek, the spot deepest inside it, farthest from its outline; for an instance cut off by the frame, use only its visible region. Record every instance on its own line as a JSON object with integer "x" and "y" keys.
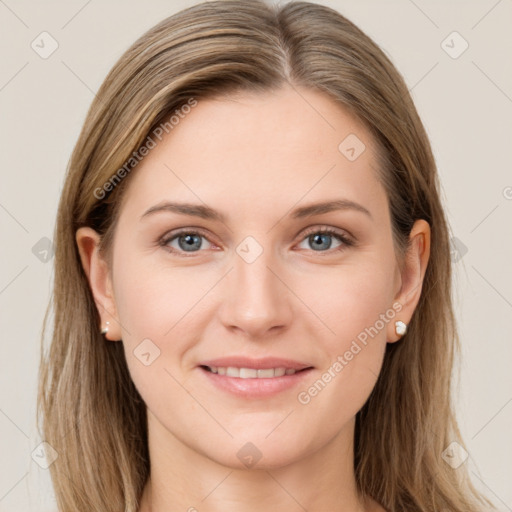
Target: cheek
{"x": 355, "y": 305}
{"x": 350, "y": 299}
{"x": 162, "y": 313}
{"x": 153, "y": 300}
{"x": 159, "y": 311}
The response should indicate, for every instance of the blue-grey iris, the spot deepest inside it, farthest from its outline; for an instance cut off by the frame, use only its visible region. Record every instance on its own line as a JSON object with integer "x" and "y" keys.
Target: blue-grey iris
{"x": 191, "y": 242}
{"x": 313, "y": 239}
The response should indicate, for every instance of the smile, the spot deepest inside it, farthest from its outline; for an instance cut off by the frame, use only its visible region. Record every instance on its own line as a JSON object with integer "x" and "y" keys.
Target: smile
{"x": 249, "y": 378}
{"x": 251, "y": 373}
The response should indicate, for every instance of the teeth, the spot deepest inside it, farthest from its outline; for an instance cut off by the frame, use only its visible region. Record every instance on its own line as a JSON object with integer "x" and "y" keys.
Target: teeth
{"x": 251, "y": 373}
{"x": 248, "y": 373}
{"x": 232, "y": 372}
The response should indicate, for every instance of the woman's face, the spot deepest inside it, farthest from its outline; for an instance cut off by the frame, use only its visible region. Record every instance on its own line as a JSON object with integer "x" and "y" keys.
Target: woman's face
{"x": 219, "y": 261}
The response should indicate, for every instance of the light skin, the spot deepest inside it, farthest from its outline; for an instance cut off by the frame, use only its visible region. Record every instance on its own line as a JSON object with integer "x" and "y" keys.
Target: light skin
{"x": 255, "y": 158}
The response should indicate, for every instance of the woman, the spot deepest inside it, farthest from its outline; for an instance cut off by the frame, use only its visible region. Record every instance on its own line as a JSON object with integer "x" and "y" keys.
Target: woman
{"x": 252, "y": 289}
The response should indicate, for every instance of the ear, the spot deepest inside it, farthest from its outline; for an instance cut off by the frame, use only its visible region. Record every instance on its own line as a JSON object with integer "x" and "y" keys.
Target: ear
{"x": 411, "y": 276}
{"x": 100, "y": 282}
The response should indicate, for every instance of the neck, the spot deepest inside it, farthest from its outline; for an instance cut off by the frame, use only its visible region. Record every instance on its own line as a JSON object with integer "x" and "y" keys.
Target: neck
{"x": 183, "y": 479}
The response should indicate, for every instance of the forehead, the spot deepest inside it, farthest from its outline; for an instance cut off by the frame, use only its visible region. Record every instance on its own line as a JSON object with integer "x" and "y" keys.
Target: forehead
{"x": 274, "y": 148}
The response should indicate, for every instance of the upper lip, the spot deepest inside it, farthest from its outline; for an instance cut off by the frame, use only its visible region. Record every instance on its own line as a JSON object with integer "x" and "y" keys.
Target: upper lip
{"x": 257, "y": 364}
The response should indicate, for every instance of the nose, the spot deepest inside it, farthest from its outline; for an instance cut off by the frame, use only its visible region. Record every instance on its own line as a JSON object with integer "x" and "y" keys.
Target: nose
{"x": 256, "y": 301}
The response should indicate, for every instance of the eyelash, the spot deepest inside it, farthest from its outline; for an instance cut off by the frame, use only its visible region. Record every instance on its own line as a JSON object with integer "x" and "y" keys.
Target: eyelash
{"x": 345, "y": 241}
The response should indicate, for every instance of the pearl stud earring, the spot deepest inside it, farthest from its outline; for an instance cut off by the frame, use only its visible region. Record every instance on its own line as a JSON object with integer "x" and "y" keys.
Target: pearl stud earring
{"x": 105, "y": 329}
{"x": 400, "y": 328}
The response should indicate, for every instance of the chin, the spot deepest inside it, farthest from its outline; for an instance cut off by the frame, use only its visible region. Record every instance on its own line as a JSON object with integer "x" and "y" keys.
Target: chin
{"x": 262, "y": 454}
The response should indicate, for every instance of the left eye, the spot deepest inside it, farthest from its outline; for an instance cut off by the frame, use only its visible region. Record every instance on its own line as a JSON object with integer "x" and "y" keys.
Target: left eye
{"x": 321, "y": 240}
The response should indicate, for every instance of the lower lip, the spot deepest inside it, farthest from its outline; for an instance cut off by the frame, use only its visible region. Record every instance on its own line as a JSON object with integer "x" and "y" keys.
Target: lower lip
{"x": 256, "y": 388}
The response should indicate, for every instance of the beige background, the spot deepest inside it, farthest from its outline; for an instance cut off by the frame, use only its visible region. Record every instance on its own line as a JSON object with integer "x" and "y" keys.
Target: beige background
{"x": 466, "y": 105}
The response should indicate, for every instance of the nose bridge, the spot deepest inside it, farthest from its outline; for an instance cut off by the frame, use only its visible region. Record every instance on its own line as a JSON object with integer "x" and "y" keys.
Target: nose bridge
{"x": 256, "y": 300}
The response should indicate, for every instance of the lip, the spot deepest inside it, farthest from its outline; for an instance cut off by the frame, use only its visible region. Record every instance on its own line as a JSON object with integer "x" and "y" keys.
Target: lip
{"x": 257, "y": 364}
{"x": 252, "y": 387}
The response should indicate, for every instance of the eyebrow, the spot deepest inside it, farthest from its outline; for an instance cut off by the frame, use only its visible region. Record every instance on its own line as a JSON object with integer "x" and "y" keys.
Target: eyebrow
{"x": 329, "y": 206}
{"x": 205, "y": 212}
{"x": 196, "y": 210}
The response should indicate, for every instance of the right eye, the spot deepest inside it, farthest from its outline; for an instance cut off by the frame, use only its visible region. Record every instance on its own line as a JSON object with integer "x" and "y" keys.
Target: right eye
{"x": 184, "y": 241}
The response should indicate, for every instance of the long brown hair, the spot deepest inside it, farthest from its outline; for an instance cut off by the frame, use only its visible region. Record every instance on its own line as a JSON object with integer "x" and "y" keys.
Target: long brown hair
{"x": 88, "y": 406}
